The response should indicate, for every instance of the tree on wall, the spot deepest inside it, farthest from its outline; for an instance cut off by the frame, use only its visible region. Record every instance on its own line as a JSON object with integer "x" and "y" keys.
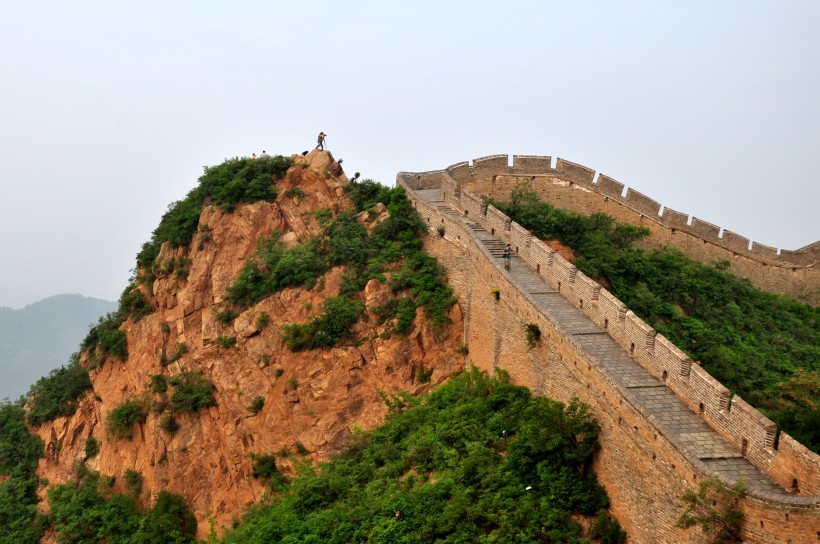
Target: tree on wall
{"x": 715, "y": 508}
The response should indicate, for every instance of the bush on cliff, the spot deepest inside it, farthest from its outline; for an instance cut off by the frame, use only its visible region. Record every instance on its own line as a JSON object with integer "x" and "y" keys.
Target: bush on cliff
{"x": 477, "y": 460}
{"x": 121, "y": 420}
{"x": 19, "y": 453}
{"x": 56, "y": 395}
{"x": 87, "y": 511}
{"x": 393, "y": 246}
{"x": 228, "y": 184}
{"x": 761, "y": 346}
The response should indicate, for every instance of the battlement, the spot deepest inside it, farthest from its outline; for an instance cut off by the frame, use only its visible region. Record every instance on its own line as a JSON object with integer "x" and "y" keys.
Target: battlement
{"x": 753, "y": 435}
{"x": 490, "y": 168}
{"x": 578, "y": 188}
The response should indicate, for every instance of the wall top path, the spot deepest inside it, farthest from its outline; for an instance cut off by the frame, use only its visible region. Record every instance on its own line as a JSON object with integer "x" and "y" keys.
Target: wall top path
{"x": 690, "y": 433}
{"x": 530, "y": 165}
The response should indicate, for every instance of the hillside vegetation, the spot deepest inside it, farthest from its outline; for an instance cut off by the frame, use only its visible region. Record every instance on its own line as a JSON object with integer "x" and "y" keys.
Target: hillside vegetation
{"x": 477, "y": 460}
{"x": 763, "y": 347}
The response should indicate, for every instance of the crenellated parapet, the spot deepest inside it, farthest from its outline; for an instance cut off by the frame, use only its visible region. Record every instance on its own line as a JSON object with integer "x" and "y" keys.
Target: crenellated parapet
{"x": 579, "y": 188}
{"x": 747, "y": 431}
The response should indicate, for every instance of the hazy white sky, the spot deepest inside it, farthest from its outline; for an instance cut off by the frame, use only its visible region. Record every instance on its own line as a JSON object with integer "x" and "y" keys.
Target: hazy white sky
{"x": 110, "y": 110}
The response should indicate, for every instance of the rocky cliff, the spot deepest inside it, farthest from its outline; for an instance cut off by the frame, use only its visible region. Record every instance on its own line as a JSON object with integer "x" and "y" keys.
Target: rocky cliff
{"x": 312, "y": 399}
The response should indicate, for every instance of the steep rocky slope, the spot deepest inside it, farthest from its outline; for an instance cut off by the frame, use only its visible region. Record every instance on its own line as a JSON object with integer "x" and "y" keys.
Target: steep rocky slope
{"x": 312, "y": 399}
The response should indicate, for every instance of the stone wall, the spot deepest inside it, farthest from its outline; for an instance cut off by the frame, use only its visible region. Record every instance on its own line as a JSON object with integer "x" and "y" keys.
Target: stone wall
{"x": 577, "y": 188}
{"x": 641, "y": 468}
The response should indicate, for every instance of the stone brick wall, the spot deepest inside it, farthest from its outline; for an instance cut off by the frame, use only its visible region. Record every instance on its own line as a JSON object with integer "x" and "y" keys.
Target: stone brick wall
{"x": 642, "y": 470}
{"x": 576, "y": 188}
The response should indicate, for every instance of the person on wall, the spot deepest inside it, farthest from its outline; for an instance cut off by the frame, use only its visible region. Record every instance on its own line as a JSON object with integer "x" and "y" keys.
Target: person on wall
{"x": 507, "y": 257}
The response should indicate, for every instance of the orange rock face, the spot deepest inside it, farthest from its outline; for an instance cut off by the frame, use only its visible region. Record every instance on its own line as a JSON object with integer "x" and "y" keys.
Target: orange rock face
{"x": 315, "y": 398}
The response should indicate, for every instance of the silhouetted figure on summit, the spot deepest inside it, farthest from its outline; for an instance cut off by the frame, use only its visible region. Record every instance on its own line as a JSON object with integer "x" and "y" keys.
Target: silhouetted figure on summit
{"x": 321, "y": 142}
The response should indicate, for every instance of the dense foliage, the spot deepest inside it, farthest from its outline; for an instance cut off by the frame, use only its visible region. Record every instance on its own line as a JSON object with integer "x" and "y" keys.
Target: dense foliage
{"x": 122, "y": 418}
{"x": 56, "y": 395}
{"x": 19, "y": 454}
{"x": 192, "y": 392}
{"x": 762, "y": 346}
{"x": 228, "y": 184}
{"x": 87, "y": 511}
{"x": 477, "y": 460}
{"x": 394, "y": 246}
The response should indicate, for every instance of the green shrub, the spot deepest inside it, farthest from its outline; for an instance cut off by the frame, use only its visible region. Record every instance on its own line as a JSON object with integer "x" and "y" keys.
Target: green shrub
{"x": 92, "y": 447}
{"x": 225, "y": 315}
{"x": 225, "y": 341}
{"x": 324, "y": 330}
{"x": 56, "y": 395}
{"x": 296, "y": 192}
{"x": 181, "y": 349}
{"x": 168, "y": 423}
{"x": 715, "y": 507}
{"x": 366, "y": 193}
{"x": 264, "y": 466}
{"x": 257, "y": 404}
{"x": 192, "y": 392}
{"x": 121, "y": 420}
{"x": 159, "y": 384}
{"x": 106, "y": 338}
{"x": 262, "y": 321}
{"x": 133, "y": 481}
{"x": 606, "y": 530}
{"x": 424, "y": 375}
{"x": 133, "y": 303}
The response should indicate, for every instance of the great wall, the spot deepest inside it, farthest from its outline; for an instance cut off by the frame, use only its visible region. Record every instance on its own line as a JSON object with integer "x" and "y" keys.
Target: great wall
{"x": 666, "y": 424}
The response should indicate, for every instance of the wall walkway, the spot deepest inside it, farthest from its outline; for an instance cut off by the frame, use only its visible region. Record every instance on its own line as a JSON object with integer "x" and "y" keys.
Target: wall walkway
{"x": 665, "y": 424}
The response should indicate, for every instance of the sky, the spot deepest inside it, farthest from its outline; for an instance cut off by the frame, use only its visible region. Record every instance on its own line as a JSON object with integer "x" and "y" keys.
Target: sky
{"x": 110, "y": 109}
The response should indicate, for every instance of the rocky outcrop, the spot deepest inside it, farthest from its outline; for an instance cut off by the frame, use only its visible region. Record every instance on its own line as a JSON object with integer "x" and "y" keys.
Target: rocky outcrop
{"x": 312, "y": 400}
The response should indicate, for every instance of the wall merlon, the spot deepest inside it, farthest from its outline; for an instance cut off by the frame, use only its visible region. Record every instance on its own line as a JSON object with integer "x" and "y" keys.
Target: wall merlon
{"x": 711, "y": 393}
{"x": 575, "y": 173}
{"x": 609, "y": 187}
{"x": 705, "y": 230}
{"x": 767, "y": 252}
{"x": 794, "y": 461}
{"x": 674, "y": 219}
{"x": 587, "y": 292}
{"x": 753, "y": 433}
{"x": 531, "y": 165}
{"x": 735, "y": 242}
{"x": 682, "y": 362}
{"x": 642, "y": 203}
{"x": 472, "y": 206}
{"x": 564, "y": 273}
{"x": 521, "y": 240}
{"x": 491, "y": 165}
{"x": 460, "y": 171}
{"x": 498, "y": 223}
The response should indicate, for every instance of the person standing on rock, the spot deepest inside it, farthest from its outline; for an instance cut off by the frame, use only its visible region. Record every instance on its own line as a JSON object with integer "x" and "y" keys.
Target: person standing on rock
{"x": 321, "y": 141}
{"x": 507, "y": 254}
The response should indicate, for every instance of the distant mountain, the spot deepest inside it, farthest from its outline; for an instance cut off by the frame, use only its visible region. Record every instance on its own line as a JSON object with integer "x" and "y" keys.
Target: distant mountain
{"x": 42, "y": 336}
